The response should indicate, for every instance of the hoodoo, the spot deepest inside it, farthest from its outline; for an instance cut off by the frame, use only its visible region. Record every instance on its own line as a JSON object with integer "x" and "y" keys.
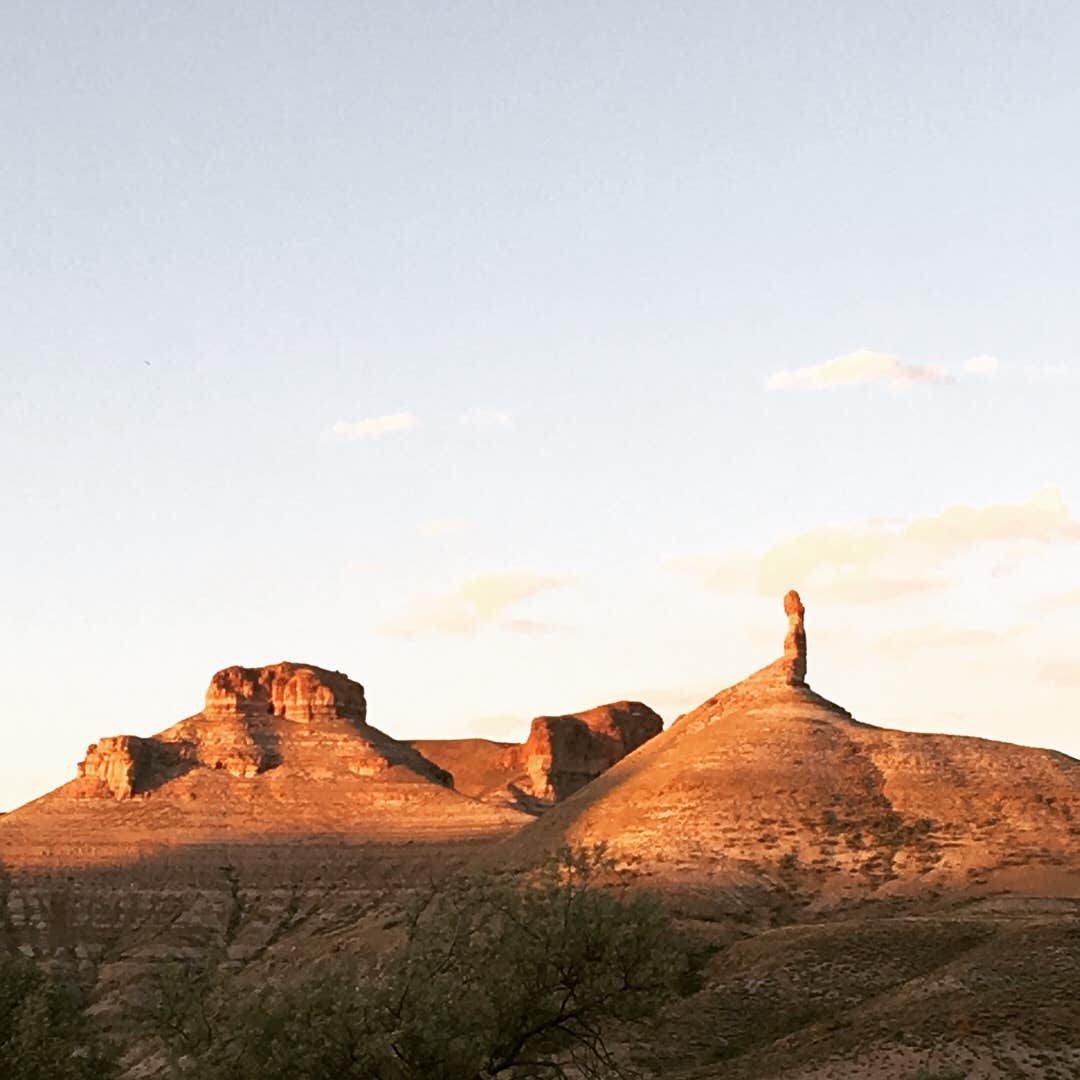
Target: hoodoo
{"x": 772, "y": 785}
{"x": 795, "y": 642}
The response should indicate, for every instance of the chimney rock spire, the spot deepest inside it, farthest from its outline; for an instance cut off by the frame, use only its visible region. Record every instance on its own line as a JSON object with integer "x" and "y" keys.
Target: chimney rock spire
{"x": 795, "y": 642}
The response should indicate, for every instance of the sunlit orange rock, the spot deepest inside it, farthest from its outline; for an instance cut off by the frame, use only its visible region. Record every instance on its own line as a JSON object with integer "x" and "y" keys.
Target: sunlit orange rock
{"x": 563, "y": 753}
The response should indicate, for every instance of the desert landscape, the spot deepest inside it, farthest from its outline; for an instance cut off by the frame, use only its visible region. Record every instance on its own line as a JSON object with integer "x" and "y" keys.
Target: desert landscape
{"x": 864, "y": 902}
{"x": 540, "y": 541}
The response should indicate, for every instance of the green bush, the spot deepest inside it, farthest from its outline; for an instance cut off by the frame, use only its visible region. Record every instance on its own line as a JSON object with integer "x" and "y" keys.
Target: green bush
{"x": 44, "y": 1035}
{"x": 491, "y": 977}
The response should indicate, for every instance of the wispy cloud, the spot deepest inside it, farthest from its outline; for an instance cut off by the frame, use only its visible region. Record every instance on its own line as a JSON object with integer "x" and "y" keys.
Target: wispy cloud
{"x": 937, "y": 636}
{"x": 532, "y": 627}
{"x": 876, "y": 561}
{"x": 477, "y": 603}
{"x": 364, "y": 568}
{"x": 982, "y": 365}
{"x": 442, "y": 527}
{"x": 858, "y": 368}
{"x": 1050, "y": 605}
{"x": 489, "y": 418}
{"x": 1064, "y": 673}
{"x": 373, "y": 427}
{"x": 1054, "y": 374}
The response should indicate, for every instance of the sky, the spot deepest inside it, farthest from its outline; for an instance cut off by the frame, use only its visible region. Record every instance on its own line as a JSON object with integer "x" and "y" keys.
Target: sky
{"x": 516, "y": 358}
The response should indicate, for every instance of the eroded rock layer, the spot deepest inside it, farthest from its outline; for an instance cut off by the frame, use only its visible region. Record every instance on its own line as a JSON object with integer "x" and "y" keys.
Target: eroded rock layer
{"x": 769, "y": 785}
{"x": 561, "y": 755}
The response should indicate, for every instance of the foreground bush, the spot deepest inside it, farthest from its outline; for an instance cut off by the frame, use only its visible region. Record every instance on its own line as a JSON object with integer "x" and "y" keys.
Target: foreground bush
{"x": 491, "y": 978}
{"x": 43, "y": 1033}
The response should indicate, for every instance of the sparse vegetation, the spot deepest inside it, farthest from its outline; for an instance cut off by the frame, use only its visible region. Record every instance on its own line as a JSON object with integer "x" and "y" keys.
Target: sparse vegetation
{"x": 44, "y": 1035}
{"x": 490, "y": 977}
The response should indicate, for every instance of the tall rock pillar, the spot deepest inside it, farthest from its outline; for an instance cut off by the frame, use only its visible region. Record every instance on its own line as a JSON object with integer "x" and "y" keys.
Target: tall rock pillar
{"x": 795, "y": 642}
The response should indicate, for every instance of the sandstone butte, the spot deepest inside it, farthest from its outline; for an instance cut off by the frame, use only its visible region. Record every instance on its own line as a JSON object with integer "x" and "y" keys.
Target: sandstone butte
{"x": 767, "y": 785}
{"x": 877, "y": 903}
{"x": 285, "y": 751}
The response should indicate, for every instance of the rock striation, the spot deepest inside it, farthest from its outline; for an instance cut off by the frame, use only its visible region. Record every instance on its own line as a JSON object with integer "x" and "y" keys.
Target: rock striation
{"x": 561, "y": 755}
{"x": 300, "y": 693}
{"x": 251, "y": 715}
{"x": 121, "y": 764}
{"x": 564, "y": 753}
{"x": 768, "y": 789}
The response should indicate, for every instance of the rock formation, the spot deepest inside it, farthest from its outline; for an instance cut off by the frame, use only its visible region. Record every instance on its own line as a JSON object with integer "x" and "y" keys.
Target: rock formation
{"x": 298, "y": 692}
{"x": 250, "y": 715}
{"x": 795, "y": 642}
{"x": 924, "y": 889}
{"x": 561, "y": 755}
{"x": 123, "y": 764}
{"x": 768, "y": 782}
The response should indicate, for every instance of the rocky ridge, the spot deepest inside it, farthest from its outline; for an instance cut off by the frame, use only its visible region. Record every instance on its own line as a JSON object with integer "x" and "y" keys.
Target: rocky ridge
{"x": 877, "y": 903}
{"x": 561, "y": 755}
{"x": 770, "y": 788}
{"x": 286, "y": 751}
{"x": 250, "y": 715}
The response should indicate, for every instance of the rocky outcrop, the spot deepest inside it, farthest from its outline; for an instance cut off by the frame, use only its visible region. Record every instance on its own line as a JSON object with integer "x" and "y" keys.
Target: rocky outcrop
{"x": 126, "y": 765}
{"x": 563, "y": 753}
{"x": 768, "y": 782}
{"x": 301, "y": 693}
{"x": 254, "y": 719}
{"x": 303, "y": 723}
{"x": 118, "y": 763}
{"x": 795, "y": 642}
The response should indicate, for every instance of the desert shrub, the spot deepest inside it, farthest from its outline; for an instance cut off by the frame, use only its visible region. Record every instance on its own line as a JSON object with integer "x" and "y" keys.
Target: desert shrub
{"x": 491, "y": 977}
{"x": 44, "y": 1035}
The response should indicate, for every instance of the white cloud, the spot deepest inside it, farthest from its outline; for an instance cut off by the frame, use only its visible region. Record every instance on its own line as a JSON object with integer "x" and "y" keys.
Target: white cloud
{"x": 531, "y": 627}
{"x": 876, "y": 562}
{"x": 1053, "y": 373}
{"x": 1064, "y": 673}
{"x": 364, "y": 568}
{"x": 982, "y": 365}
{"x": 478, "y": 602}
{"x": 937, "y": 636}
{"x": 373, "y": 427}
{"x": 442, "y": 527}
{"x": 1064, "y": 601}
{"x": 857, "y": 368}
{"x": 497, "y": 418}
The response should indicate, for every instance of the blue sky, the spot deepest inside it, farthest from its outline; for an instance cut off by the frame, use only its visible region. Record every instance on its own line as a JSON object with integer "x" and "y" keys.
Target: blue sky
{"x": 571, "y": 249}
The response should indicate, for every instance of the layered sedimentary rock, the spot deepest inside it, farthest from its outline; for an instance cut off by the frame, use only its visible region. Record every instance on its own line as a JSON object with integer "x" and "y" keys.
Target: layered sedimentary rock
{"x": 561, "y": 755}
{"x": 769, "y": 786}
{"x": 252, "y": 716}
{"x": 300, "y": 725}
{"x": 300, "y": 693}
{"x": 124, "y": 764}
{"x": 280, "y": 754}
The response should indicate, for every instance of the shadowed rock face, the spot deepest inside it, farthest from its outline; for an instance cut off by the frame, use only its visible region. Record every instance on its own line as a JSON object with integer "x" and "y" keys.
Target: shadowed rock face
{"x": 563, "y": 753}
{"x": 124, "y": 764}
